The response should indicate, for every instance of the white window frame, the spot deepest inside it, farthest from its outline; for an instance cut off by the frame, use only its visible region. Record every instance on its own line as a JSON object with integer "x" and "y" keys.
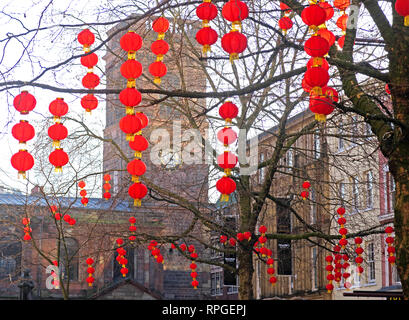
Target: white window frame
{"x": 371, "y": 262}
{"x": 369, "y": 189}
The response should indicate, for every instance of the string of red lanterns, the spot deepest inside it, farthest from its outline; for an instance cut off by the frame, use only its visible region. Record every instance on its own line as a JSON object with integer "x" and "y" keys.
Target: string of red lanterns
{"x": 160, "y": 47}
{"x": 193, "y": 274}
{"x": 315, "y": 80}
{"x": 90, "y": 81}
{"x": 391, "y": 249}
{"x": 23, "y": 131}
{"x": 27, "y": 230}
{"x": 132, "y": 229}
{"x": 83, "y": 193}
{"x": 342, "y": 21}
{"x": 359, "y": 251}
{"x": 90, "y": 271}
{"x": 206, "y": 36}
{"x": 305, "y": 194}
{"x": 107, "y": 186}
{"x": 122, "y": 261}
{"x": 234, "y": 42}
{"x": 330, "y": 277}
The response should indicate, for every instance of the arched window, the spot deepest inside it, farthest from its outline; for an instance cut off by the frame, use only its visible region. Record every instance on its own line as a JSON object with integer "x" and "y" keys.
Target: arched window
{"x": 69, "y": 259}
{"x": 10, "y": 259}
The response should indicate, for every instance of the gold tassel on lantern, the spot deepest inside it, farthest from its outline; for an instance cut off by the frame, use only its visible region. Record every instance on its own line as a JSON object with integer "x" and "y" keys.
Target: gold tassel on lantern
{"x": 406, "y": 21}
{"x": 131, "y": 55}
{"x": 130, "y": 110}
{"x": 131, "y": 83}
{"x": 138, "y": 154}
{"x": 137, "y": 202}
{"x": 157, "y": 80}
{"x": 58, "y": 169}
{"x": 56, "y": 143}
{"x": 135, "y": 179}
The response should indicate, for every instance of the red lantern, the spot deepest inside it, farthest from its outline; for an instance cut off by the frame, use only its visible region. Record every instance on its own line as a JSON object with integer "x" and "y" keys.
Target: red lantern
{"x": 329, "y": 10}
{"x": 90, "y": 60}
{"x": 84, "y": 201}
{"x": 316, "y": 46}
{"x": 283, "y": 7}
{"x": 131, "y": 69}
{"x": 159, "y": 47}
{"x": 314, "y": 16}
{"x": 342, "y": 4}
{"x": 321, "y": 106}
{"x": 227, "y": 136}
{"x": 327, "y": 35}
{"x": 139, "y": 144}
{"x": 330, "y": 93}
{"x": 304, "y": 195}
{"x": 90, "y": 80}
{"x": 206, "y": 11}
{"x": 206, "y": 37}
{"x": 81, "y": 184}
{"x": 107, "y": 195}
{"x": 160, "y": 25}
{"x": 227, "y": 161}
{"x": 83, "y": 193}
{"x": 58, "y": 108}
{"x": 234, "y": 43}
{"x": 228, "y": 111}
{"x": 137, "y": 191}
{"x": 130, "y": 124}
{"x": 86, "y": 38}
{"x": 57, "y": 132}
{"x": 23, "y": 131}
{"x": 130, "y": 97}
{"x": 306, "y": 184}
{"x": 342, "y": 22}
{"x": 318, "y": 62}
{"x": 136, "y": 168}
{"x": 158, "y": 69}
{"x": 341, "y": 42}
{"x": 89, "y": 102}
{"x": 131, "y": 41}
{"x": 402, "y": 8}
{"x": 143, "y": 118}
{"x": 262, "y": 229}
{"x": 316, "y": 78}
{"x": 225, "y": 186}
{"x": 58, "y": 158}
{"x": 235, "y": 11}
{"x": 24, "y": 102}
{"x": 22, "y": 161}
{"x": 285, "y": 24}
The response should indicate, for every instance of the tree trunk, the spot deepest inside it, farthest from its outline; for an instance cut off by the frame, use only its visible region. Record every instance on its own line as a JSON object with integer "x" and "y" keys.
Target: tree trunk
{"x": 245, "y": 274}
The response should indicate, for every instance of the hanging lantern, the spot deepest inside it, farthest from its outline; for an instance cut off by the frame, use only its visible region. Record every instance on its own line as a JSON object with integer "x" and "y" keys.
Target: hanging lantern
{"x": 285, "y": 24}
{"x": 342, "y": 4}
{"x": 234, "y": 43}
{"x": 24, "y": 102}
{"x": 58, "y": 158}
{"x": 89, "y": 102}
{"x": 227, "y": 161}
{"x": 235, "y": 11}
{"x": 327, "y": 35}
{"x": 316, "y": 78}
{"x": 139, "y": 144}
{"x": 402, "y": 8}
{"x": 329, "y": 10}
{"x": 227, "y": 136}
{"x": 317, "y": 62}
{"x": 206, "y": 37}
{"x": 160, "y": 25}
{"x": 107, "y": 186}
{"x": 131, "y": 41}
{"x": 130, "y": 98}
{"x": 228, "y": 111}
{"x": 321, "y": 106}
{"x": 58, "y": 108}
{"x": 23, "y": 131}
{"x": 22, "y": 161}
{"x": 391, "y": 249}
{"x": 306, "y": 185}
{"x": 158, "y": 69}
{"x": 359, "y": 251}
{"x": 90, "y": 80}
{"x": 57, "y": 132}
{"x": 131, "y": 69}
{"x": 316, "y": 46}
{"x": 330, "y": 277}
{"x": 206, "y": 11}
{"x": 130, "y": 124}
{"x": 304, "y": 195}
{"x": 89, "y": 61}
{"x": 225, "y": 186}
{"x": 86, "y": 38}
{"x": 314, "y": 16}
{"x": 342, "y": 22}
{"x": 137, "y": 191}
{"x": 136, "y": 168}
{"x": 159, "y": 48}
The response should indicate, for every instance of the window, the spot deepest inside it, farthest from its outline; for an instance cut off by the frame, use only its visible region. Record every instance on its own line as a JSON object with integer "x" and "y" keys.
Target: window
{"x": 216, "y": 283}
{"x": 340, "y": 139}
{"x": 7, "y": 266}
{"x": 355, "y": 193}
{"x": 115, "y": 182}
{"x": 317, "y": 145}
{"x": 354, "y": 130}
{"x": 371, "y": 263}
{"x": 290, "y": 160}
{"x": 369, "y": 189}
{"x": 284, "y": 259}
{"x": 389, "y": 190}
{"x": 69, "y": 259}
{"x": 313, "y": 212}
{"x": 262, "y": 170}
{"x": 314, "y": 263}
